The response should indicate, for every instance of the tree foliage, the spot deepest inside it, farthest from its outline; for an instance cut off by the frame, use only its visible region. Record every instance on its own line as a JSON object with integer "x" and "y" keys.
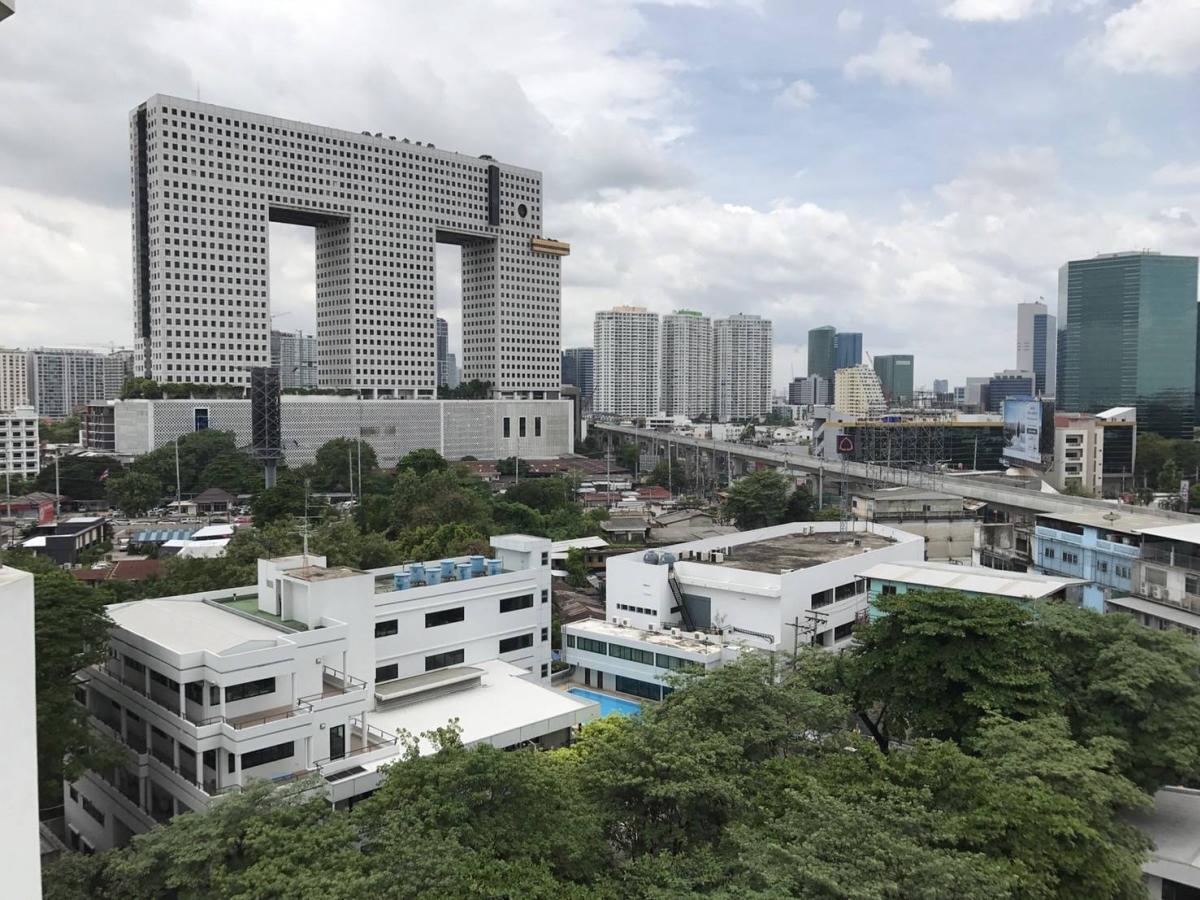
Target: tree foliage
{"x": 766, "y": 497}
{"x": 422, "y": 461}
{"x": 207, "y": 459}
{"x": 134, "y": 492}
{"x": 79, "y": 477}
{"x": 338, "y": 462}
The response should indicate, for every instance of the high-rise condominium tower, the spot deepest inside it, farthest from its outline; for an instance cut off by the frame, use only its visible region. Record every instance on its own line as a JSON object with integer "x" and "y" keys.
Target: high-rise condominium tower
{"x": 744, "y": 357}
{"x": 687, "y": 364}
{"x": 1127, "y": 337}
{"x": 1037, "y": 346}
{"x": 857, "y": 391}
{"x": 626, "y": 358}
{"x": 821, "y": 351}
{"x": 62, "y": 381}
{"x": 207, "y": 183}
{"x": 14, "y": 379}
{"x": 294, "y": 354}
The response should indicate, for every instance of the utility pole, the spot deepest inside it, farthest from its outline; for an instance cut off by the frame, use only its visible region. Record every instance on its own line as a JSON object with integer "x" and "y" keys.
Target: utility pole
{"x": 58, "y": 493}
{"x": 350, "y": 467}
{"x": 178, "y": 486}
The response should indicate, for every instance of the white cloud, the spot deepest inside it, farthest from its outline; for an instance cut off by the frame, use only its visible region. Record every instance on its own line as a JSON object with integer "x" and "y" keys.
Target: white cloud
{"x": 900, "y": 59}
{"x": 1160, "y": 36}
{"x": 1178, "y": 174}
{"x": 994, "y": 10}
{"x": 1119, "y": 142}
{"x": 797, "y": 95}
{"x": 849, "y": 20}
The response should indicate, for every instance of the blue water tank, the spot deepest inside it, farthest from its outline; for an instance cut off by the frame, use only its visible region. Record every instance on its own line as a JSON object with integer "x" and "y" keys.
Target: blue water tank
{"x": 494, "y": 567}
{"x": 402, "y": 580}
{"x": 417, "y": 570}
{"x": 650, "y": 557}
{"x": 433, "y": 576}
{"x": 447, "y": 567}
{"x": 476, "y": 564}
{"x": 464, "y": 571}
{"x": 666, "y": 559}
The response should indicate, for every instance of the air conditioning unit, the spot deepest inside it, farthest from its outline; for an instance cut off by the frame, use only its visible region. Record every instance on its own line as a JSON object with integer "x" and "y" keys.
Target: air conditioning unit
{"x": 1156, "y": 592}
{"x": 616, "y": 621}
{"x": 675, "y": 632}
{"x": 625, "y": 623}
{"x": 718, "y": 557}
{"x": 699, "y": 635}
{"x": 650, "y": 626}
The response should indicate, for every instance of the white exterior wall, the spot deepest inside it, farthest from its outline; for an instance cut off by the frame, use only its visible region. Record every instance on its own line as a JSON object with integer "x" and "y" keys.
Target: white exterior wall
{"x": 1079, "y": 456}
{"x": 857, "y": 391}
{"x": 62, "y": 381}
{"x": 625, "y": 362}
{"x": 19, "y": 456}
{"x": 687, "y": 365}
{"x": 14, "y": 379}
{"x": 20, "y": 851}
{"x": 744, "y": 349}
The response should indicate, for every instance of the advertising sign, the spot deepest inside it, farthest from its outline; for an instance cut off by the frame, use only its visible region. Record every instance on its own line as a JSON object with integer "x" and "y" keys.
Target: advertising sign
{"x": 845, "y": 443}
{"x": 1023, "y": 430}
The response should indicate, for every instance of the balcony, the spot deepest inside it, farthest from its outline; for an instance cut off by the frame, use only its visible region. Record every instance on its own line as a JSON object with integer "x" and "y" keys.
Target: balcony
{"x": 335, "y": 683}
{"x": 364, "y": 747}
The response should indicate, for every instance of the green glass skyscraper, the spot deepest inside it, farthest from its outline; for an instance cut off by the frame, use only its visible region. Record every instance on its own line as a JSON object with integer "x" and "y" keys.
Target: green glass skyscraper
{"x": 820, "y": 351}
{"x": 1127, "y": 337}
{"x": 895, "y": 373}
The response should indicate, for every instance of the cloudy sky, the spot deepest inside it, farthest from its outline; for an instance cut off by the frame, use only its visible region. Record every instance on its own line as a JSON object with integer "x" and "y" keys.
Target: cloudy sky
{"x": 910, "y": 169}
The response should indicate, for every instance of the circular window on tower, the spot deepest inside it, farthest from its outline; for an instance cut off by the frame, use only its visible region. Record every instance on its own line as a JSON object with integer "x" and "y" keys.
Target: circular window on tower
{"x": 522, "y": 210}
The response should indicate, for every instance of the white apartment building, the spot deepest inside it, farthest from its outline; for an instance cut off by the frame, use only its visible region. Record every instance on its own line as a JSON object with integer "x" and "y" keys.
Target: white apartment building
{"x": 317, "y": 669}
{"x": 19, "y": 457}
{"x": 118, "y": 368}
{"x": 699, "y": 604}
{"x": 687, "y": 364}
{"x": 379, "y": 206}
{"x": 62, "y": 381}
{"x": 14, "y": 379}
{"x": 1079, "y": 444}
{"x": 294, "y": 354}
{"x": 626, "y": 362}
{"x": 20, "y": 851}
{"x": 744, "y": 350}
{"x": 857, "y": 391}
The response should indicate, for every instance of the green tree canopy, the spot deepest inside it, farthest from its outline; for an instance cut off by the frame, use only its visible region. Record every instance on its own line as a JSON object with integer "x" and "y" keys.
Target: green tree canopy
{"x": 134, "y": 492}
{"x": 758, "y": 500}
{"x": 671, "y": 474}
{"x": 79, "y": 477}
{"x": 337, "y": 464}
{"x": 206, "y": 459}
{"x": 422, "y": 461}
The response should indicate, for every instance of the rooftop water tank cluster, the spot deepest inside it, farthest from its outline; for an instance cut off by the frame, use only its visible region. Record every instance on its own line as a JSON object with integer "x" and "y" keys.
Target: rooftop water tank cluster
{"x": 445, "y": 570}
{"x": 654, "y": 558}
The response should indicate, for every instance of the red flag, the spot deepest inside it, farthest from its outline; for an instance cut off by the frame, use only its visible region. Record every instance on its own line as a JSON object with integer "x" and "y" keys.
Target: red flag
{"x": 104, "y": 475}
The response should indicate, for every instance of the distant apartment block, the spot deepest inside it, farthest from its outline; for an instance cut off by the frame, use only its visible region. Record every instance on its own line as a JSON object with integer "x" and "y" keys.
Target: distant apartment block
{"x": 810, "y": 391}
{"x": 857, "y": 392}
{"x": 14, "y": 379}
{"x": 626, "y": 356}
{"x": 118, "y": 368}
{"x": 578, "y": 365}
{"x": 294, "y": 354}
{"x": 1002, "y": 385}
{"x": 1094, "y": 453}
{"x": 744, "y": 351}
{"x": 847, "y": 349}
{"x": 61, "y": 382}
{"x": 19, "y": 456}
{"x": 687, "y": 364}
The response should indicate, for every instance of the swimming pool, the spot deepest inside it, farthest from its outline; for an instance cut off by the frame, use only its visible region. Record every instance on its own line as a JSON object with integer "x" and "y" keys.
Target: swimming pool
{"x": 608, "y": 705}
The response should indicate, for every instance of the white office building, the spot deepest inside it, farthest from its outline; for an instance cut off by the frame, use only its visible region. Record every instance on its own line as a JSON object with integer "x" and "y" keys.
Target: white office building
{"x": 700, "y": 604}
{"x": 20, "y": 851}
{"x": 14, "y": 379}
{"x": 62, "y": 381}
{"x": 744, "y": 350}
{"x": 626, "y": 362}
{"x": 379, "y": 206}
{"x": 857, "y": 391}
{"x": 317, "y": 669}
{"x": 1037, "y": 346}
{"x": 19, "y": 457}
{"x": 687, "y": 364}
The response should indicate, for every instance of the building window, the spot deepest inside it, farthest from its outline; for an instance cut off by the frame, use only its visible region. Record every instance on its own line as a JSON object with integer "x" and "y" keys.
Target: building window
{"x": 520, "y": 642}
{"x": 545, "y": 669}
{"x": 521, "y": 427}
{"x": 841, "y": 632}
{"x": 194, "y": 692}
{"x": 390, "y": 672}
{"x": 268, "y": 754}
{"x": 571, "y": 640}
{"x": 92, "y": 810}
{"x": 590, "y": 646}
{"x": 445, "y": 617}
{"x": 512, "y": 604}
{"x": 249, "y": 689}
{"x": 386, "y": 628}
{"x": 545, "y": 596}
{"x": 638, "y": 688}
{"x": 1122, "y": 571}
{"x": 537, "y": 426}
{"x": 441, "y": 660}
{"x": 822, "y": 598}
{"x": 676, "y": 663}
{"x": 632, "y": 654}
{"x": 888, "y": 589}
{"x": 507, "y": 427}
{"x": 1048, "y": 552}
{"x": 134, "y": 665}
{"x": 160, "y": 678}
{"x": 545, "y": 634}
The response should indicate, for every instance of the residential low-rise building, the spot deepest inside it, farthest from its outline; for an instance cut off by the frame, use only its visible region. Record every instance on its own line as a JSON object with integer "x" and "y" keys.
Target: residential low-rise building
{"x": 975, "y": 581}
{"x": 65, "y": 540}
{"x": 943, "y": 520}
{"x": 699, "y": 604}
{"x": 1094, "y": 453}
{"x": 19, "y": 457}
{"x": 317, "y": 670}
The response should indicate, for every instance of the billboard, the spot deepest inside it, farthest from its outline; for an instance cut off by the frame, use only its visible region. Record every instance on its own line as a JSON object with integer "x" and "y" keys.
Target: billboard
{"x": 1028, "y": 431}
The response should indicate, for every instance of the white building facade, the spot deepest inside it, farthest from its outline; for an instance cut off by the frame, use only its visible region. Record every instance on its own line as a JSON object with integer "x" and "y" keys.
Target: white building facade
{"x": 698, "y": 605}
{"x": 857, "y": 391}
{"x": 20, "y": 851}
{"x": 294, "y": 354}
{"x": 744, "y": 350}
{"x": 19, "y": 456}
{"x": 687, "y": 364}
{"x": 379, "y": 206}
{"x": 625, "y": 362}
{"x": 317, "y": 669}
{"x": 14, "y": 379}
{"x": 62, "y": 381}
{"x": 1037, "y": 346}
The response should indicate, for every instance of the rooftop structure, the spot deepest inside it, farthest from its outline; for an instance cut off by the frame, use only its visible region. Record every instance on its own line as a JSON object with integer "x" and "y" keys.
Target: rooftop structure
{"x": 1173, "y": 825}
{"x": 793, "y": 552}
{"x": 977, "y": 580}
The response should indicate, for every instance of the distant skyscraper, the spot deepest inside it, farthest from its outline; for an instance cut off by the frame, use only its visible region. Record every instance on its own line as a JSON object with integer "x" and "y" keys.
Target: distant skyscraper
{"x": 1128, "y": 338}
{"x": 812, "y": 390}
{"x": 452, "y": 377}
{"x": 687, "y": 364}
{"x": 626, "y": 362}
{"x": 1037, "y": 346}
{"x": 821, "y": 351}
{"x": 62, "y": 381}
{"x": 14, "y": 379}
{"x": 941, "y": 386}
{"x": 847, "y": 349}
{"x": 1009, "y": 383}
{"x": 442, "y": 345}
{"x": 294, "y": 354}
{"x": 118, "y": 368}
{"x": 895, "y": 373}
{"x": 578, "y": 364}
{"x": 744, "y": 351}
{"x": 857, "y": 392}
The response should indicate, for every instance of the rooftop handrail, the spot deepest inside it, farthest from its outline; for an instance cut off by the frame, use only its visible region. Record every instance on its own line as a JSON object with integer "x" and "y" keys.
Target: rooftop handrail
{"x": 301, "y": 707}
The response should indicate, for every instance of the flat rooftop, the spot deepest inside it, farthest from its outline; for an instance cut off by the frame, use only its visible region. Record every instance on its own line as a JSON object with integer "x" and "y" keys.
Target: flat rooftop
{"x": 1186, "y": 533}
{"x": 1174, "y": 826}
{"x": 322, "y": 573}
{"x": 973, "y": 579}
{"x": 191, "y": 626}
{"x": 603, "y": 629}
{"x": 1119, "y": 518}
{"x": 789, "y": 552}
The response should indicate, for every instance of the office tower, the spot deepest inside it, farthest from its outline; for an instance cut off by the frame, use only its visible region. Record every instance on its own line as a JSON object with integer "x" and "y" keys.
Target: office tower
{"x": 442, "y": 340}
{"x": 687, "y": 364}
{"x": 941, "y": 386}
{"x": 1009, "y": 383}
{"x": 63, "y": 381}
{"x": 577, "y": 368}
{"x": 625, "y": 357}
{"x": 857, "y": 391}
{"x": 1128, "y": 326}
{"x": 847, "y": 349}
{"x": 118, "y": 368}
{"x": 1037, "y": 346}
{"x": 452, "y": 379}
{"x": 294, "y": 354}
{"x": 895, "y": 373}
{"x": 812, "y": 390}
{"x": 744, "y": 350}
{"x": 821, "y": 351}
{"x": 379, "y": 207}
{"x": 14, "y": 379}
